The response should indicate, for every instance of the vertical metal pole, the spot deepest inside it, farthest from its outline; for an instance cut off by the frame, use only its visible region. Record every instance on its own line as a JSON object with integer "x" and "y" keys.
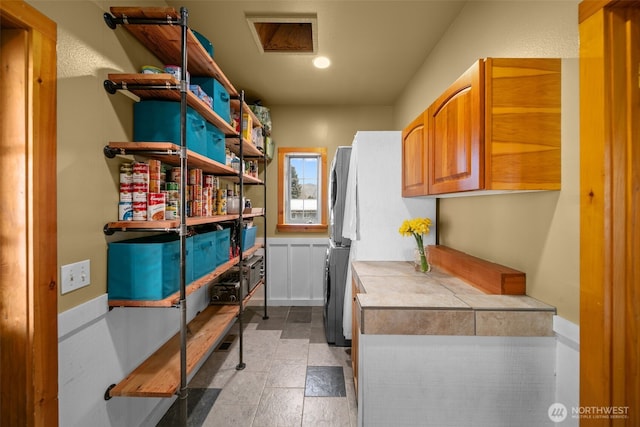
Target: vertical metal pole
{"x": 183, "y": 393}
{"x": 241, "y": 365}
{"x": 264, "y": 221}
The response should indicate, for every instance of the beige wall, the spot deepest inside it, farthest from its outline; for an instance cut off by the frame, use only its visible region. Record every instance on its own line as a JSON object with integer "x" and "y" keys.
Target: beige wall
{"x": 313, "y": 126}
{"x": 537, "y": 233}
{"x": 88, "y": 118}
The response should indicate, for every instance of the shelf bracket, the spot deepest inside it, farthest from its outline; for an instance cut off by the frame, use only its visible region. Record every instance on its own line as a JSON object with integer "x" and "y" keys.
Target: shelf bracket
{"x": 107, "y": 230}
{"x": 112, "y": 22}
{"x": 110, "y": 152}
{"x": 110, "y": 87}
{"x": 107, "y": 394}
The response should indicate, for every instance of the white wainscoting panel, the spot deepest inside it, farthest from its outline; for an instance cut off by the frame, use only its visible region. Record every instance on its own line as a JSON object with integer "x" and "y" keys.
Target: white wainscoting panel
{"x": 567, "y": 367}
{"x": 295, "y": 270}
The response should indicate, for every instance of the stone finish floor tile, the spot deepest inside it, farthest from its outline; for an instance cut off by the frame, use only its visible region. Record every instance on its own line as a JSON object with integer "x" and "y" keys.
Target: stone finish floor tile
{"x": 325, "y": 381}
{"x": 287, "y": 373}
{"x": 293, "y": 349}
{"x": 199, "y": 402}
{"x": 280, "y": 407}
{"x": 325, "y": 411}
{"x": 326, "y": 355}
{"x": 270, "y": 391}
{"x": 230, "y": 415}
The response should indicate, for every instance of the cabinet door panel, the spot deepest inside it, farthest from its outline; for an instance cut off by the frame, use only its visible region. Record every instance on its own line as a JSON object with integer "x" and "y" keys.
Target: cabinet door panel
{"x": 414, "y": 159}
{"x": 455, "y": 142}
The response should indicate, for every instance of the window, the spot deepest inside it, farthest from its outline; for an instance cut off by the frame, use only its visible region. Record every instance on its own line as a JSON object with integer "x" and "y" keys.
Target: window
{"x": 302, "y": 190}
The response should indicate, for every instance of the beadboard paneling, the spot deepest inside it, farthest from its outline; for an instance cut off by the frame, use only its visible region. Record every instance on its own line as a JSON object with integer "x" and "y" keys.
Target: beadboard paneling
{"x": 296, "y": 270}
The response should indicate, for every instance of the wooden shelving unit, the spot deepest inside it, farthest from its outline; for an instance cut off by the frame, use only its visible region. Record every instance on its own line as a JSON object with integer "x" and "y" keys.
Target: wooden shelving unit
{"x": 165, "y": 33}
{"x": 168, "y": 152}
{"x": 173, "y": 299}
{"x": 159, "y": 374}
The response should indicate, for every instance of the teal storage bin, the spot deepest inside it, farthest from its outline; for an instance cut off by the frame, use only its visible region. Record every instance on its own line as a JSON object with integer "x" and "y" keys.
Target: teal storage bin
{"x": 204, "y": 42}
{"x": 223, "y": 244}
{"x": 215, "y": 144}
{"x": 159, "y": 121}
{"x": 210, "y": 250}
{"x": 248, "y": 237}
{"x": 146, "y": 268}
{"x": 204, "y": 255}
{"x": 218, "y": 93}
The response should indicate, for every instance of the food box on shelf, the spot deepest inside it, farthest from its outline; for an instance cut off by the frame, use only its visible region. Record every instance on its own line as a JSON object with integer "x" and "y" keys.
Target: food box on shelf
{"x": 218, "y": 93}
{"x": 159, "y": 121}
{"x": 211, "y": 249}
{"x": 215, "y": 144}
{"x": 146, "y": 268}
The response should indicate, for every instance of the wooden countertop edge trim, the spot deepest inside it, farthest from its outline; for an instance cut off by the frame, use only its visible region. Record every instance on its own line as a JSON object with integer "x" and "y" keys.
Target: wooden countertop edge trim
{"x": 490, "y": 277}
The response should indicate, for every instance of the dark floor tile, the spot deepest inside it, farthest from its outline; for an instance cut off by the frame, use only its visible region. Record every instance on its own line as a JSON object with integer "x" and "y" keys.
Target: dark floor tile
{"x": 299, "y": 315}
{"x": 317, "y": 315}
{"x": 325, "y": 381}
{"x": 199, "y": 403}
{"x": 271, "y": 324}
{"x": 296, "y": 331}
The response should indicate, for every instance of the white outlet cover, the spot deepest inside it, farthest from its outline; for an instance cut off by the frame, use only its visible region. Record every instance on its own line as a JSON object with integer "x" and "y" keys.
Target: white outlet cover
{"x": 75, "y": 276}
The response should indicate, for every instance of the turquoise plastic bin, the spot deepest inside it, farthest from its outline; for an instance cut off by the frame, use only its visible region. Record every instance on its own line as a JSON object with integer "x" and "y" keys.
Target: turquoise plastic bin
{"x": 159, "y": 121}
{"x": 146, "y": 268}
{"x": 218, "y": 93}
{"x": 215, "y": 144}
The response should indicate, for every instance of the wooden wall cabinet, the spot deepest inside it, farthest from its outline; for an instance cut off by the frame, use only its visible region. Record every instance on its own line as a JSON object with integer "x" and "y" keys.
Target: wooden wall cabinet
{"x": 496, "y": 128}
{"x": 414, "y": 158}
{"x": 455, "y": 143}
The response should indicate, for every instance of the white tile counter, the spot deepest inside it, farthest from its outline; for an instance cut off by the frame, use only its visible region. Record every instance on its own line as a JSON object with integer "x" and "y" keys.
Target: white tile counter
{"x": 434, "y": 351}
{"x": 395, "y": 299}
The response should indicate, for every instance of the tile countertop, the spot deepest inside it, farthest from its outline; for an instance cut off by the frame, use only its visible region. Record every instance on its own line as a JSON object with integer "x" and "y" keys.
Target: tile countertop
{"x": 394, "y": 299}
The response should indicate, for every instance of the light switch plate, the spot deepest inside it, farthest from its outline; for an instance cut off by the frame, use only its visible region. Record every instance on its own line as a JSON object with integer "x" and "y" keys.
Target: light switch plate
{"x": 75, "y": 276}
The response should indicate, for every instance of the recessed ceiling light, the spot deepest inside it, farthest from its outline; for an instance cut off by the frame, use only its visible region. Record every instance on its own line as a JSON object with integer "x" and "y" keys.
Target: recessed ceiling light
{"x": 321, "y": 62}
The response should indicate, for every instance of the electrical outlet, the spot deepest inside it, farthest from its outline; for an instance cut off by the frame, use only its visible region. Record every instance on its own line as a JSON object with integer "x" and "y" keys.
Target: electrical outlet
{"x": 75, "y": 276}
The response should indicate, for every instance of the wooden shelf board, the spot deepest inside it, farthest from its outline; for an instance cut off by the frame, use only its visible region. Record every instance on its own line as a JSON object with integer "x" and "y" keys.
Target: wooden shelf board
{"x": 168, "y": 152}
{"x": 169, "y": 49}
{"x": 170, "y": 95}
{"x": 159, "y": 375}
{"x": 173, "y": 299}
{"x": 248, "y": 149}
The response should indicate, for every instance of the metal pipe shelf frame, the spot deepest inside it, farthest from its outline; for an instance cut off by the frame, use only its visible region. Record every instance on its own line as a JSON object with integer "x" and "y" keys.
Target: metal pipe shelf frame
{"x": 179, "y": 154}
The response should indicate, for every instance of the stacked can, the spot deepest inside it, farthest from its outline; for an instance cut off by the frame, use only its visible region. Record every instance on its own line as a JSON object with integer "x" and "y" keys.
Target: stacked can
{"x": 172, "y": 209}
{"x": 155, "y": 180}
{"x": 140, "y": 178}
{"x": 209, "y": 187}
{"x": 194, "y": 193}
{"x": 221, "y": 201}
{"x": 125, "y": 206}
{"x": 156, "y": 200}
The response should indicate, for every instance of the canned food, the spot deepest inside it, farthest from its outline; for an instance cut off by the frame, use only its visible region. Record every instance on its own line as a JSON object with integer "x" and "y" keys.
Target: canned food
{"x": 156, "y": 206}
{"x": 126, "y": 192}
{"x": 154, "y": 185}
{"x": 139, "y": 211}
{"x": 174, "y": 175}
{"x": 140, "y": 172}
{"x": 172, "y": 210}
{"x": 140, "y": 190}
{"x": 125, "y": 211}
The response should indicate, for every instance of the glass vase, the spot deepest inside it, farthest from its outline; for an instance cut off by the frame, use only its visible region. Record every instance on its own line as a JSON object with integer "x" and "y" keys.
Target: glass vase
{"x": 420, "y": 261}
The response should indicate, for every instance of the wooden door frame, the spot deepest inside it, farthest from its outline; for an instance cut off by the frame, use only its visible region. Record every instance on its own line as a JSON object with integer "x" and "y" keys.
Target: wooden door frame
{"x": 610, "y": 209}
{"x": 28, "y": 233}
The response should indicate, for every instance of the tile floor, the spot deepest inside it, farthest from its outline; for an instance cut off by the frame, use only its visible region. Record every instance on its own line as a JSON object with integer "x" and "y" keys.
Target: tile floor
{"x": 292, "y": 376}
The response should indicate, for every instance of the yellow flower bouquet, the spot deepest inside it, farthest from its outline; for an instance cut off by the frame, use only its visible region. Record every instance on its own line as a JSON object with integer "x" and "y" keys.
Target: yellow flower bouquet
{"x": 418, "y": 227}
